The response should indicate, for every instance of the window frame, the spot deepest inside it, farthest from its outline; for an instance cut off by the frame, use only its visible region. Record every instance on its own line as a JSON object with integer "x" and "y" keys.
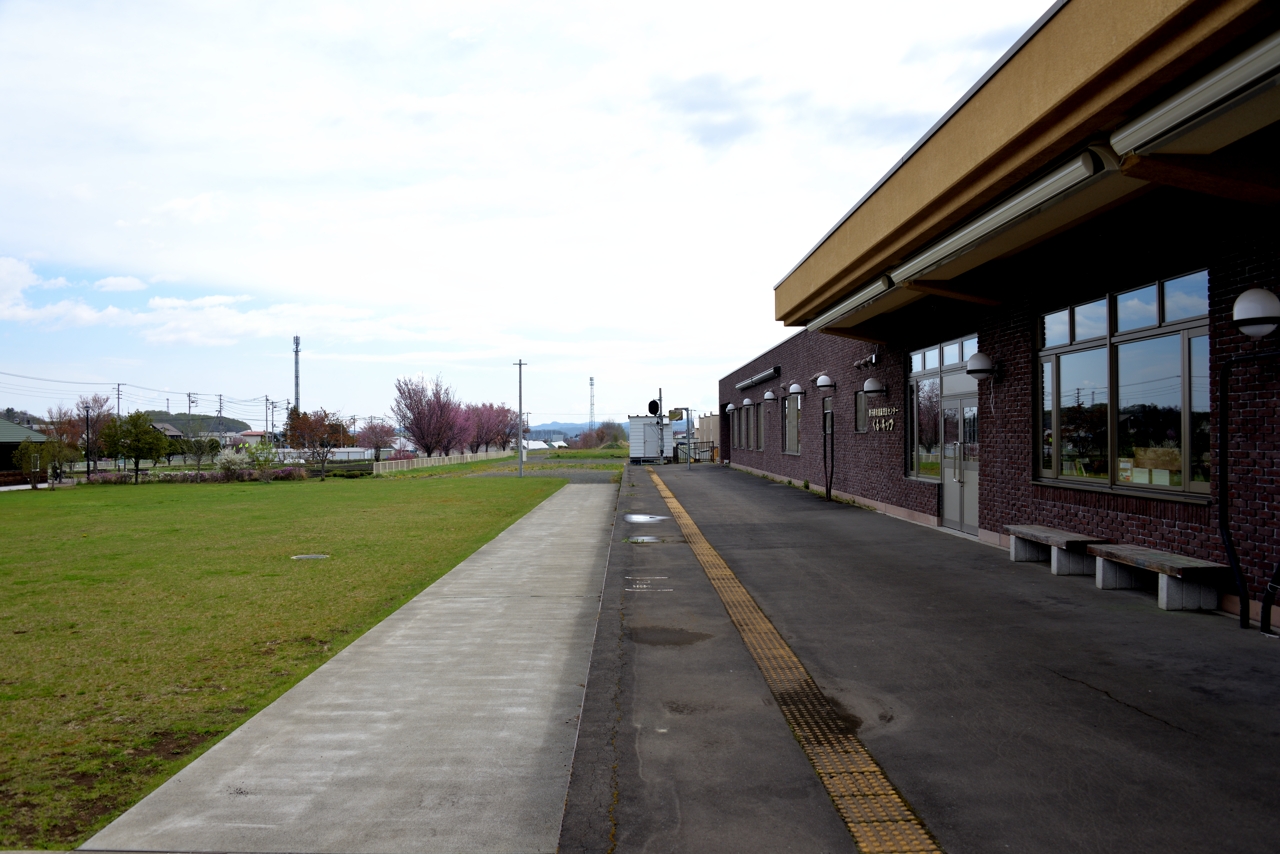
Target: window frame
{"x": 925, "y": 373}
{"x": 1186, "y": 329}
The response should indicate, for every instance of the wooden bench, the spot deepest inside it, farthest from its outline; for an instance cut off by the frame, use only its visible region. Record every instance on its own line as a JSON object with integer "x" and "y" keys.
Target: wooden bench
{"x": 1065, "y": 551}
{"x": 1186, "y": 583}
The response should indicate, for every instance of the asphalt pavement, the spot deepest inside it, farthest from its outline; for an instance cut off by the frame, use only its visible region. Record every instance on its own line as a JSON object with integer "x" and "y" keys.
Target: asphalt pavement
{"x": 1013, "y": 709}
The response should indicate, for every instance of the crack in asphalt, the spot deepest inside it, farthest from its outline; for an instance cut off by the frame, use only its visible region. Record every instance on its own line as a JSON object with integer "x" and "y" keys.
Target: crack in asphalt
{"x": 1118, "y": 700}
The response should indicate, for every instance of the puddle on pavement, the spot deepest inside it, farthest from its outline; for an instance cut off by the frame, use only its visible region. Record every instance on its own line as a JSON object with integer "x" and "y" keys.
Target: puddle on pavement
{"x": 644, "y": 518}
{"x": 665, "y": 636}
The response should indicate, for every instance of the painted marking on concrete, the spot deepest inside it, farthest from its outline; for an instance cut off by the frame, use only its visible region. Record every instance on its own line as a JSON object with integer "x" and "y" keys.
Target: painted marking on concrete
{"x": 876, "y": 814}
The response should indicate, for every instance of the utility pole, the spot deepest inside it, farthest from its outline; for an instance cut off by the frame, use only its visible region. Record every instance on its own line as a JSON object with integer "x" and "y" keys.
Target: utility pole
{"x": 520, "y": 415}
{"x": 297, "y": 348}
{"x": 219, "y": 416}
{"x": 118, "y": 412}
{"x": 192, "y": 399}
{"x": 266, "y": 419}
{"x": 688, "y": 438}
{"x": 662, "y": 434}
{"x": 591, "y": 423}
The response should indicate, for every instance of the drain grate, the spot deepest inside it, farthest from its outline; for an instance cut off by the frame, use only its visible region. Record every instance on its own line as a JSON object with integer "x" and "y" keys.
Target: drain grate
{"x": 879, "y": 819}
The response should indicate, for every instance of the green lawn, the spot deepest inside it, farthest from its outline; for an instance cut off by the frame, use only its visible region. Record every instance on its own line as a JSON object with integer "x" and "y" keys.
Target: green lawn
{"x": 138, "y": 625}
{"x": 589, "y": 453}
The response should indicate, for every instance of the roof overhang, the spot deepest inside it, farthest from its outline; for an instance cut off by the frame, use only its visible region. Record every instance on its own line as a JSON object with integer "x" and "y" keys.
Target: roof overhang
{"x": 1013, "y": 165}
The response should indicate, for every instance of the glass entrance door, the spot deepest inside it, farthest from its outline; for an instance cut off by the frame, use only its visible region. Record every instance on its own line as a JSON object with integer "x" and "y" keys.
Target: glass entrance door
{"x": 961, "y": 452}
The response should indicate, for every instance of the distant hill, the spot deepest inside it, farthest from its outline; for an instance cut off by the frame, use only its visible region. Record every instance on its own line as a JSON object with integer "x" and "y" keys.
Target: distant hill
{"x": 192, "y": 424}
{"x": 570, "y": 429}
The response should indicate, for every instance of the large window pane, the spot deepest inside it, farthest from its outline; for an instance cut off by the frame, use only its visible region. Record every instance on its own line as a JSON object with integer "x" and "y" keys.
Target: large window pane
{"x": 793, "y": 424}
{"x": 1046, "y": 416}
{"x": 1186, "y": 297}
{"x": 1056, "y": 329}
{"x": 926, "y": 428}
{"x": 1082, "y": 408}
{"x": 1091, "y": 320}
{"x": 1199, "y": 462}
{"x": 1149, "y": 417}
{"x": 1137, "y": 309}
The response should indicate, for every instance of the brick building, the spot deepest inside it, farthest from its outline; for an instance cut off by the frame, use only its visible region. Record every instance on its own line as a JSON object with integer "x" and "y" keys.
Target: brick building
{"x": 1083, "y": 222}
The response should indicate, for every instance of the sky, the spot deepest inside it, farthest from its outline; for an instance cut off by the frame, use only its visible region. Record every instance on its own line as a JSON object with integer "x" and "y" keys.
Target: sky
{"x": 599, "y": 190}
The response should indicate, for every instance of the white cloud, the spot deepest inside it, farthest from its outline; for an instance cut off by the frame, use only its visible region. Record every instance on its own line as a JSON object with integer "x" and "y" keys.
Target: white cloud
{"x": 120, "y": 283}
{"x": 478, "y": 181}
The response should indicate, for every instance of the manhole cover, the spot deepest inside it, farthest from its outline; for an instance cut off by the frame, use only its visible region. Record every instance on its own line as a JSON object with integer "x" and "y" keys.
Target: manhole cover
{"x": 643, "y": 518}
{"x": 644, "y": 539}
{"x": 309, "y": 557}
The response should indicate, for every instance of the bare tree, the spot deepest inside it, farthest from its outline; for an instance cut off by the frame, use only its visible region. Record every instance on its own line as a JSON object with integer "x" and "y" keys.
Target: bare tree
{"x": 377, "y": 436}
{"x": 93, "y": 412}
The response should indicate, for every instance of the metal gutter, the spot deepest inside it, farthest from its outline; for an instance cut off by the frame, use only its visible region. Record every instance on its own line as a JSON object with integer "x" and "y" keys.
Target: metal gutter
{"x": 946, "y": 117}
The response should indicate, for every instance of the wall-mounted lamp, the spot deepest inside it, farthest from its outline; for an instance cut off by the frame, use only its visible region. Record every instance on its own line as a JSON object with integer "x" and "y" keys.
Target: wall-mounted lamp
{"x": 873, "y": 386}
{"x": 795, "y": 389}
{"x": 768, "y": 395}
{"x": 747, "y": 402}
{"x": 980, "y": 366}
{"x": 730, "y": 408}
{"x": 825, "y": 383}
{"x": 1256, "y": 312}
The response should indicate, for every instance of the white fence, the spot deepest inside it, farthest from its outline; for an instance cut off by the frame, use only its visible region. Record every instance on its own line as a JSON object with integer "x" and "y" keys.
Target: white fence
{"x": 424, "y": 462}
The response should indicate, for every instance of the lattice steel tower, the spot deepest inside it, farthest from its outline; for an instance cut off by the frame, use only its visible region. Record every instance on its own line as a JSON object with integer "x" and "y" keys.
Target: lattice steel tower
{"x": 297, "y": 348}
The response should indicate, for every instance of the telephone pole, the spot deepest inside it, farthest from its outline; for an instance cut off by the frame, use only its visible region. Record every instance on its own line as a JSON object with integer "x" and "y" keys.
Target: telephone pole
{"x": 520, "y": 415}
{"x": 591, "y": 422}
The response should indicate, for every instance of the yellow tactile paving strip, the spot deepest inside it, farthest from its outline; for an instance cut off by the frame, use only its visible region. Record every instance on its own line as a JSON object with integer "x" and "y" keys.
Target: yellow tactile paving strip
{"x": 877, "y": 816}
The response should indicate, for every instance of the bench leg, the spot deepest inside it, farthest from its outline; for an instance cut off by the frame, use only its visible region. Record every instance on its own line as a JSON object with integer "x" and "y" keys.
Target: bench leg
{"x": 1022, "y": 550}
{"x": 1071, "y": 563}
{"x": 1178, "y": 595}
{"x": 1110, "y": 575}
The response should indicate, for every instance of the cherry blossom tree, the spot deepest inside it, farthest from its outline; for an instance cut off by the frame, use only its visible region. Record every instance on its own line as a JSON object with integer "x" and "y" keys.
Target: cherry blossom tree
{"x": 318, "y": 433}
{"x": 377, "y": 436}
{"x": 429, "y": 413}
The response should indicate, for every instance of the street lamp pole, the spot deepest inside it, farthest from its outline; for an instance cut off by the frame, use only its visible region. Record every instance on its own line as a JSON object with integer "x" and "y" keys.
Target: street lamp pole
{"x": 520, "y": 415}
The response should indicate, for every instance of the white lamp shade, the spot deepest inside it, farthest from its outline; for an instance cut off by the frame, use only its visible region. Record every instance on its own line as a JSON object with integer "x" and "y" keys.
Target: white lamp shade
{"x": 768, "y": 395}
{"x": 747, "y": 402}
{"x": 825, "y": 382}
{"x": 1256, "y": 312}
{"x": 980, "y": 366}
{"x": 795, "y": 389}
{"x": 873, "y": 386}
{"x": 730, "y": 408}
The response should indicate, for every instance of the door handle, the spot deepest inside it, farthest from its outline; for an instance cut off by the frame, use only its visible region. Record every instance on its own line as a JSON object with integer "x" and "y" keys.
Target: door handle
{"x": 956, "y": 468}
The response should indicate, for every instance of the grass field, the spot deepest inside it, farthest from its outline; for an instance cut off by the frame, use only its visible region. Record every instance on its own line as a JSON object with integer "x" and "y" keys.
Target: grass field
{"x": 138, "y": 625}
{"x": 590, "y": 454}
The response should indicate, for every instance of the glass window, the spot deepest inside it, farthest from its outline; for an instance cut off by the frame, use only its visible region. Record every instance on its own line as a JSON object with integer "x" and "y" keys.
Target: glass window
{"x": 926, "y": 458}
{"x": 1149, "y": 412}
{"x": 917, "y": 362}
{"x": 828, "y": 417}
{"x": 1046, "y": 415}
{"x": 1056, "y": 329}
{"x": 1091, "y": 320}
{"x": 759, "y": 427}
{"x": 970, "y": 347}
{"x": 1151, "y": 389}
{"x": 1137, "y": 309}
{"x": 1198, "y": 446}
{"x": 1082, "y": 414}
{"x": 969, "y": 434}
{"x": 793, "y": 424}
{"x": 951, "y": 353}
{"x": 860, "y": 412}
{"x": 748, "y": 433}
{"x": 1186, "y": 297}
{"x": 931, "y": 358}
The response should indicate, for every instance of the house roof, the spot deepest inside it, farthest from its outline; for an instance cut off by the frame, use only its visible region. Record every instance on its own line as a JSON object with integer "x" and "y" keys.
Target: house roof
{"x": 14, "y": 434}
{"x": 167, "y": 429}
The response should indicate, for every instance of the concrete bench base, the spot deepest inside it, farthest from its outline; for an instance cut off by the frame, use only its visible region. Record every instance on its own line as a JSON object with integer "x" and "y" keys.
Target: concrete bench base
{"x": 1109, "y": 575}
{"x": 1064, "y": 550}
{"x": 1178, "y": 595}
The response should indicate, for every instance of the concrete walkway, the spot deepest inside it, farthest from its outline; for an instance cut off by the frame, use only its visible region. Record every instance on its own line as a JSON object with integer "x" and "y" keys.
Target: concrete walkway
{"x": 449, "y": 727}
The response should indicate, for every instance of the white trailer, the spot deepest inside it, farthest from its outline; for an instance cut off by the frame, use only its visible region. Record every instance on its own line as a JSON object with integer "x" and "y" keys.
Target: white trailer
{"x": 651, "y": 438}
